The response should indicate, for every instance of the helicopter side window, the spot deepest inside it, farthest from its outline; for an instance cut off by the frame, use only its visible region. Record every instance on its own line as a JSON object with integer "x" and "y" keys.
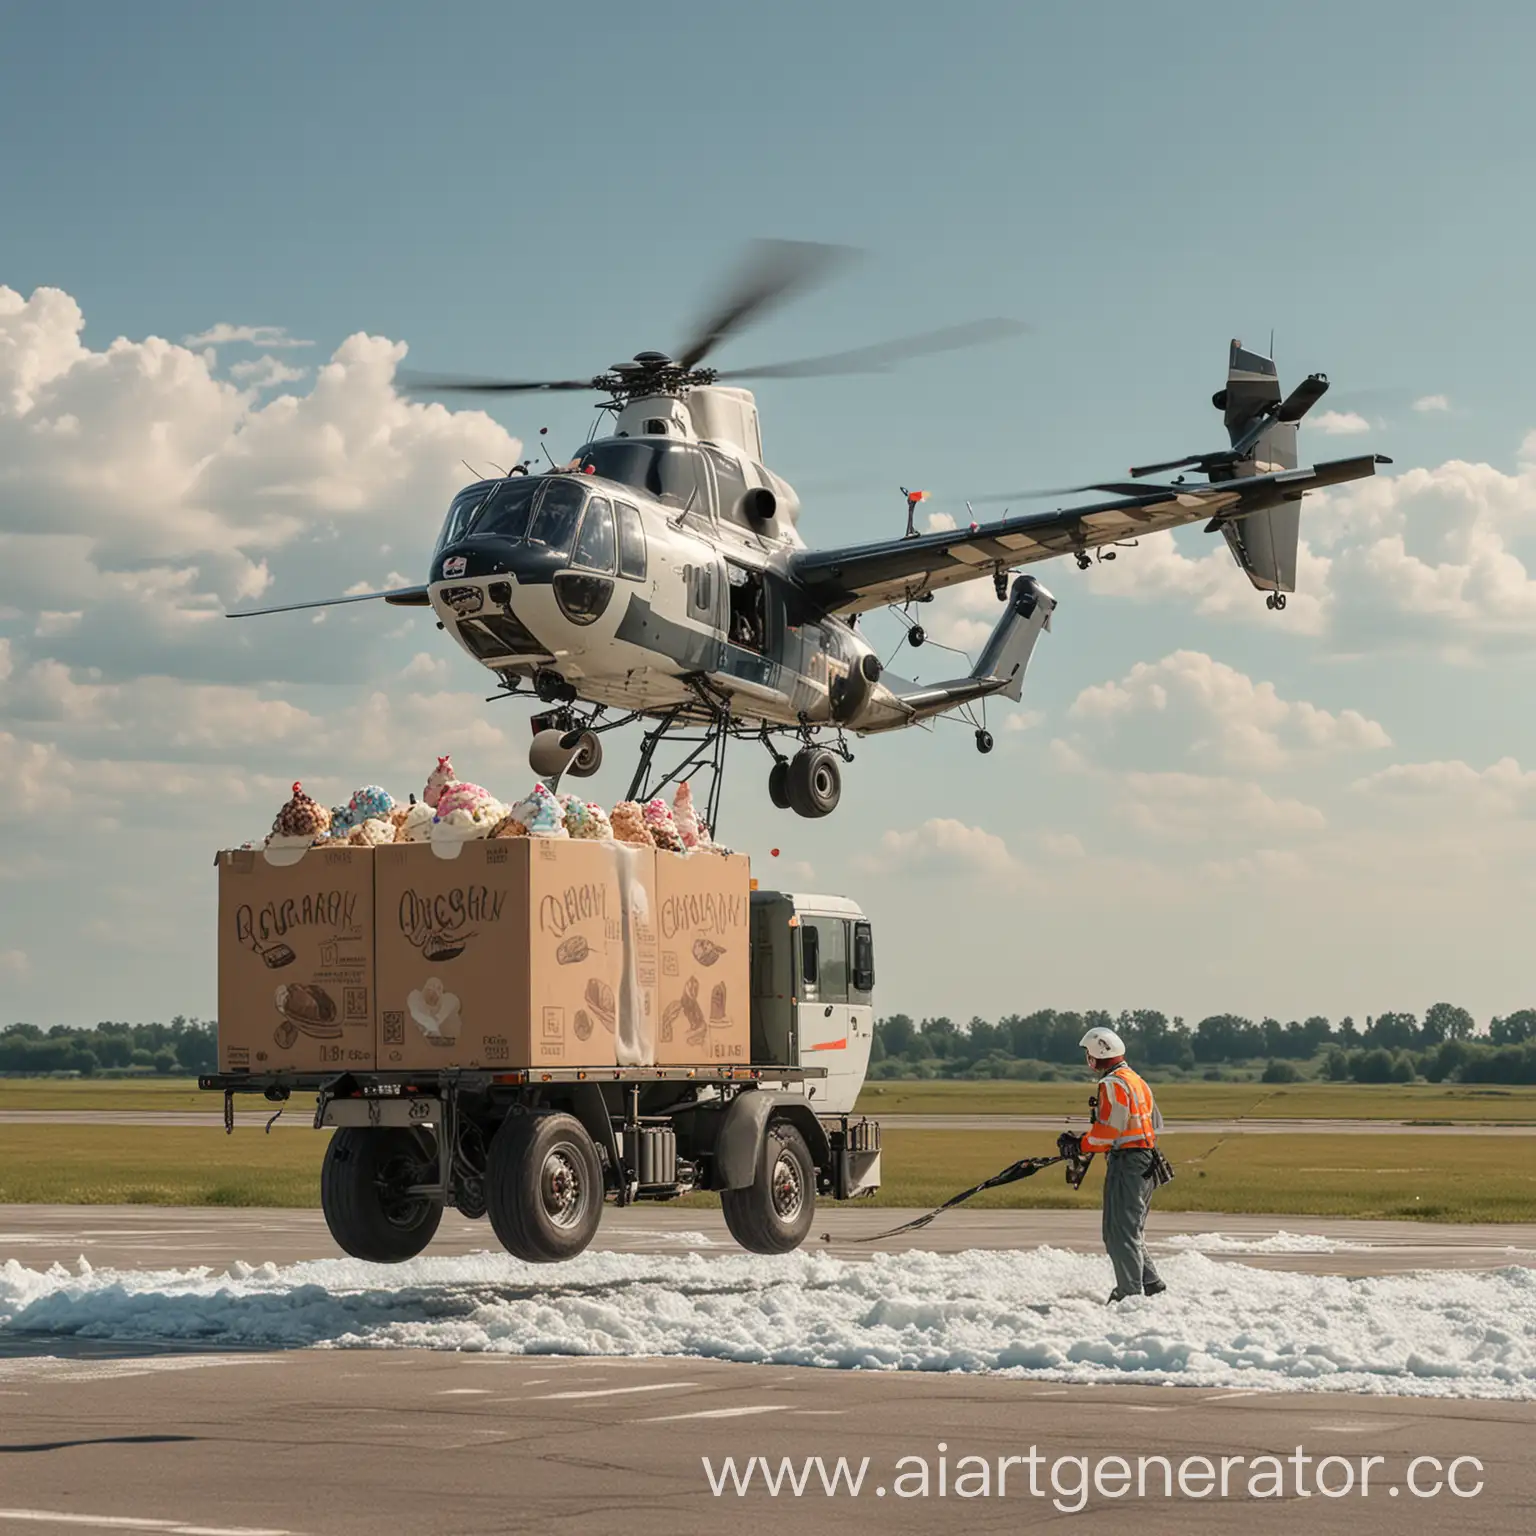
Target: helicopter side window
{"x": 631, "y": 542}
{"x": 504, "y": 513}
{"x": 595, "y": 547}
{"x": 730, "y": 480}
{"x": 559, "y": 507}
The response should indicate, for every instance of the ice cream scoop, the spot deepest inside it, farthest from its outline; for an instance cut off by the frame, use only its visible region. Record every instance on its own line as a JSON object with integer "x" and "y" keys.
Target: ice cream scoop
{"x": 663, "y": 829}
{"x": 437, "y": 780}
{"x": 461, "y": 796}
{"x": 541, "y": 813}
{"x": 369, "y": 802}
{"x": 373, "y": 833}
{"x": 417, "y": 825}
{"x": 463, "y": 824}
{"x": 299, "y": 825}
{"x": 629, "y": 824}
{"x": 684, "y": 815}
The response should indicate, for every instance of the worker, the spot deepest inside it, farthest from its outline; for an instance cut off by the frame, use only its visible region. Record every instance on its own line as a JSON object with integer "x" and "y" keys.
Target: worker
{"x": 1125, "y": 1126}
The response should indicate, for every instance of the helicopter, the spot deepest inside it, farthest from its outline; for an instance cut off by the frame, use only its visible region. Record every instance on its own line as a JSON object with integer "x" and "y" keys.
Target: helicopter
{"x": 659, "y": 575}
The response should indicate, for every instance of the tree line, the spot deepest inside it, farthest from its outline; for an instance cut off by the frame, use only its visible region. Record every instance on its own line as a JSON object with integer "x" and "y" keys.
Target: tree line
{"x": 1444, "y": 1045}
{"x": 184, "y": 1046}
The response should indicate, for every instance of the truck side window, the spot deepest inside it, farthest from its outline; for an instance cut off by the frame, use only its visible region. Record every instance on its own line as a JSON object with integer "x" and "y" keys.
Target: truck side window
{"x": 810, "y": 956}
{"x": 830, "y": 943}
{"x": 863, "y": 958}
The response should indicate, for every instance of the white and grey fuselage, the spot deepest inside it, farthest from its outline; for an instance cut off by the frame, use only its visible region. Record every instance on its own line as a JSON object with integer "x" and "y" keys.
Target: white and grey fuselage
{"x": 653, "y": 572}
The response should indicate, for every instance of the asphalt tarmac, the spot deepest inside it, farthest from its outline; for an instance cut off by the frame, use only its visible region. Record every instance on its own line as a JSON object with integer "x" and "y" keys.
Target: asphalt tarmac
{"x": 102, "y": 1436}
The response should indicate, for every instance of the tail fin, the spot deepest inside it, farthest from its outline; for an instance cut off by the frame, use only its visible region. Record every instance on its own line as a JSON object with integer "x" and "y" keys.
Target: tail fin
{"x": 1265, "y": 543}
{"x": 1010, "y": 645}
{"x": 1000, "y": 667}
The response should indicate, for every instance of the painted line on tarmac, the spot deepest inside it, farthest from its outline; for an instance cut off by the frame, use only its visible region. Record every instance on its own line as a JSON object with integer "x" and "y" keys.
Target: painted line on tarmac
{"x": 655, "y": 1386}
{"x": 717, "y": 1413}
{"x": 136, "y": 1523}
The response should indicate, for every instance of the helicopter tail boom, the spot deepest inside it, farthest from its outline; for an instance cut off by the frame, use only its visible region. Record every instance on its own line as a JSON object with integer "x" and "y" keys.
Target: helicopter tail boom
{"x": 999, "y": 670}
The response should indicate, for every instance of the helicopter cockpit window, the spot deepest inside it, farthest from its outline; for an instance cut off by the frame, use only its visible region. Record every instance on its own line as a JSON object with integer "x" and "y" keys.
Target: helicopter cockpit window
{"x": 464, "y": 507}
{"x": 631, "y": 543}
{"x": 504, "y": 512}
{"x": 554, "y": 523}
{"x": 668, "y": 471}
{"x": 731, "y": 481}
{"x": 595, "y": 548}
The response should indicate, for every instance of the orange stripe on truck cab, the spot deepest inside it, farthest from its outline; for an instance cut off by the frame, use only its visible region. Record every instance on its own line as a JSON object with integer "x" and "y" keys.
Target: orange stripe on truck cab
{"x": 832, "y": 1045}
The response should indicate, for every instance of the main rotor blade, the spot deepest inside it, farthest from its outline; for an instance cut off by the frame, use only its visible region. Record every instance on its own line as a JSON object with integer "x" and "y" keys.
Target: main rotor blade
{"x": 430, "y": 384}
{"x": 772, "y": 271}
{"x": 880, "y": 357}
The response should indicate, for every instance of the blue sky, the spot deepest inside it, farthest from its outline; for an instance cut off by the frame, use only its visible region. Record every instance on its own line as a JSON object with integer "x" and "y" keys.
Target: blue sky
{"x": 530, "y": 190}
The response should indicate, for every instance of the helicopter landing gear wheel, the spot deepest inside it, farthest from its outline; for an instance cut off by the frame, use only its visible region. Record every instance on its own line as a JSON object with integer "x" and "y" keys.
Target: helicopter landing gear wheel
{"x": 1275, "y": 602}
{"x": 984, "y": 742}
{"x": 778, "y": 784}
{"x": 916, "y": 635}
{"x": 815, "y": 782}
{"x": 589, "y": 755}
{"x": 547, "y": 755}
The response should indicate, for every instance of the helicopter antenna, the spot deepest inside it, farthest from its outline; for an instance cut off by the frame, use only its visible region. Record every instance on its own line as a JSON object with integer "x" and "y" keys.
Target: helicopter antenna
{"x": 543, "y": 448}
{"x": 471, "y": 468}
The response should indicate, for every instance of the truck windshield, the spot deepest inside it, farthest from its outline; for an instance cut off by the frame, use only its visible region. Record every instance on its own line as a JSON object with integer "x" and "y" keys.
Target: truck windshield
{"x": 504, "y": 513}
{"x": 668, "y": 471}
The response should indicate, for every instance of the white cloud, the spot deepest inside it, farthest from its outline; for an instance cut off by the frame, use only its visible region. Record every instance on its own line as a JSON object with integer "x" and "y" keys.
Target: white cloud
{"x": 266, "y": 372}
{"x": 943, "y": 847}
{"x": 1432, "y": 403}
{"x": 147, "y": 494}
{"x": 1503, "y": 788}
{"x": 1340, "y": 423}
{"x": 1023, "y": 720}
{"x": 939, "y": 522}
{"x": 1061, "y": 845}
{"x": 1185, "y": 807}
{"x": 224, "y": 334}
{"x": 14, "y": 963}
{"x": 1206, "y": 710}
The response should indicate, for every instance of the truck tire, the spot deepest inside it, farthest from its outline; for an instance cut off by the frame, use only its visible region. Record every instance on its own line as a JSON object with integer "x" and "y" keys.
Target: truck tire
{"x": 544, "y": 1187}
{"x": 362, "y": 1191}
{"x": 774, "y": 1212}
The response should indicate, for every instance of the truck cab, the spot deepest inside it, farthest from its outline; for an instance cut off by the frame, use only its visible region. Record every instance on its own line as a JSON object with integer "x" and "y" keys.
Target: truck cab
{"x": 813, "y": 980}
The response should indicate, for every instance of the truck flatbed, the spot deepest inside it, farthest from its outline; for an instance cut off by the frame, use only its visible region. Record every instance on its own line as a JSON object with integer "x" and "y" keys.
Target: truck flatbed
{"x": 387, "y": 1084}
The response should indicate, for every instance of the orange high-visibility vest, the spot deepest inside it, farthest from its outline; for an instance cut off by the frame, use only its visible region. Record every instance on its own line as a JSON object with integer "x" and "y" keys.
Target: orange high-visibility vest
{"x": 1126, "y": 1114}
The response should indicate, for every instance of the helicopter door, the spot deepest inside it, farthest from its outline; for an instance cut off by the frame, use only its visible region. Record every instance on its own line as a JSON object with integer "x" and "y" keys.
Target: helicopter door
{"x": 706, "y": 600}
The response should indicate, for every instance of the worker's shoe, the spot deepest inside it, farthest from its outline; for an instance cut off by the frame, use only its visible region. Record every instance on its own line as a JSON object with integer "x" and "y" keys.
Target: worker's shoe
{"x": 1156, "y": 1288}
{"x": 1115, "y": 1295}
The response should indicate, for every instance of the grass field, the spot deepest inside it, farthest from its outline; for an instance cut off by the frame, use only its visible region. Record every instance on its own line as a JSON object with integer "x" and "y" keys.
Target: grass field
{"x": 1464, "y": 1178}
{"x": 1424, "y": 1102}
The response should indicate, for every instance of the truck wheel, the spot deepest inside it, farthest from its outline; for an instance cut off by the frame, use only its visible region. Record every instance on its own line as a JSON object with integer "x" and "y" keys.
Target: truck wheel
{"x": 544, "y": 1187}
{"x": 363, "y": 1184}
{"x": 774, "y": 1212}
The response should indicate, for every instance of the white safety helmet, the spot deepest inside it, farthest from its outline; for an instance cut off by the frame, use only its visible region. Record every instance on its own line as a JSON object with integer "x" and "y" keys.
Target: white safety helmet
{"x": 1102, "y": 1044}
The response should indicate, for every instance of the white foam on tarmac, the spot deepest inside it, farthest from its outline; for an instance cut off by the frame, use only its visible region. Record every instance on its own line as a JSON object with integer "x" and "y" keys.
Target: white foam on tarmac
{"x": 1274, "y": 1242}
{"x": 1038, "y": 1313}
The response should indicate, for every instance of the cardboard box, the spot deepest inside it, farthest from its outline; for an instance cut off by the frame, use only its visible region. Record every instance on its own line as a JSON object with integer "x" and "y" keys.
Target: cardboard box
{"x": 296, "y": 961}
{"x": 518, "y": 952}
{"x": 703, "y": 917}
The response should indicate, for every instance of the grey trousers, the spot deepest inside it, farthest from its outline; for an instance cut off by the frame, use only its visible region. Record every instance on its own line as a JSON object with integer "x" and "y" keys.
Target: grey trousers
{"x": 1127, "y": 1199}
